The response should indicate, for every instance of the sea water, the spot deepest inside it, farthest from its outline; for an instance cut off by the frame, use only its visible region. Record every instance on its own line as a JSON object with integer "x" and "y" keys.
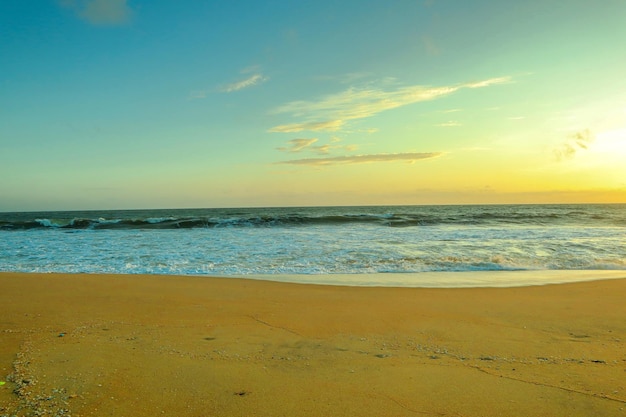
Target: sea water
{"x": 382, "y": 245}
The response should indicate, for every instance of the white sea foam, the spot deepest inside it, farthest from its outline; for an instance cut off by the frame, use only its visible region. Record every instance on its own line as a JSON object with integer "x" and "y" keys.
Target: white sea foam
{"x": 326, "y": 245}
{"x": 46, "y": 223}
{"x": 466, "y": 279}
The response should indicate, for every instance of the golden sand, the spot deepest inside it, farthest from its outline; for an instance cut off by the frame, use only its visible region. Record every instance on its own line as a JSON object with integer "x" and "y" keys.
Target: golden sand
{"x": 113, "y": 345}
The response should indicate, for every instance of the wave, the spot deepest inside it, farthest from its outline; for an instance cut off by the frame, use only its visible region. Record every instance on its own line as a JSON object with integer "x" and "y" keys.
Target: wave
{"x": 185, "y": 222}
{"x": 409, "y": 216}
{"x": 348, "y": 240}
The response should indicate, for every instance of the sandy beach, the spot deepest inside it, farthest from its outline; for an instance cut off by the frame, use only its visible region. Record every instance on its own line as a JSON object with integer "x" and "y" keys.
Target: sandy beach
{"x": 118, "y": 345}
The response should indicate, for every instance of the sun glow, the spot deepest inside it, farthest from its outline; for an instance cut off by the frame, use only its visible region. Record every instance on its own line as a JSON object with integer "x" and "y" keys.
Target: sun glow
{"x": 613, "y": 141}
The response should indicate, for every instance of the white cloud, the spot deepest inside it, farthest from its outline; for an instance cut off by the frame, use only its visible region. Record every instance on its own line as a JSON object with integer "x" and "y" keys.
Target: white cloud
{"x": 489, "y": 82}
{"x": 100, "y": 12}
{"x": 361, "y": 159}
{"x": 248, "y": 82}
{"x": 331, "y": 112}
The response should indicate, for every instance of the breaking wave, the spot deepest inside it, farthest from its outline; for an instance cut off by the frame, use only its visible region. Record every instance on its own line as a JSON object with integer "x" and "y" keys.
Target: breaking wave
{"x": 405, "y": 216}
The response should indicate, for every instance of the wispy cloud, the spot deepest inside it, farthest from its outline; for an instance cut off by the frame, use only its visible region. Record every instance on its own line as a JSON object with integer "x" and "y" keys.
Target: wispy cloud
{"x": 487, "y": 83}
{"x": 252, "y": 80}
{"x": 251, "y": 69}
{"x": 573, "y": 144}
{"x": 330, "y": 113}
{"x": 301, "y": 144}
{"x": 297, "y": 145}
{"x": 328, "y": 126}
{"x": 249, "y": 81}
{"x": 362, "y": 159}
{"x": 449, "y": 123}
{"x": 348, "y": 78}
{"x": 199, "y": 94}
{"x": 100, "y": 12}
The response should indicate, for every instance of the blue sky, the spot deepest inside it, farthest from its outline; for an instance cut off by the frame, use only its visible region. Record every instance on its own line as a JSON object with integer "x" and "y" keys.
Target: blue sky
{"x": 139, "y": 104}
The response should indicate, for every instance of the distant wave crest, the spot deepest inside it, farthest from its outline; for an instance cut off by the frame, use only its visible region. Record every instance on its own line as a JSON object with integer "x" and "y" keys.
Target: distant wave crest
{"x": 390, "y": 219}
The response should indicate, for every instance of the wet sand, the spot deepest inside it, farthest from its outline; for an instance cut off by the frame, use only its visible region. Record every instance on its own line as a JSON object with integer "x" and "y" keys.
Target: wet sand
{"x": 113, "y": 345}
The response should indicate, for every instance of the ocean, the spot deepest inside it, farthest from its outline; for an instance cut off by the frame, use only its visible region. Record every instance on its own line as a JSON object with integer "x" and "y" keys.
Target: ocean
{"x": 381, "y": 245}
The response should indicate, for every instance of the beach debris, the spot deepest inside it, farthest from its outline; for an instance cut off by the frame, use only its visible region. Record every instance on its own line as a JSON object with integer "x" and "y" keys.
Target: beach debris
{"x": 2, "y": 383}
{"x": 242, "y": 393}
{"x": 61, "y": 334}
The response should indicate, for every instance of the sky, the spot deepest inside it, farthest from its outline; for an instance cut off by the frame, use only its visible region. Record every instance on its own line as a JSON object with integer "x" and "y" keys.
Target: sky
{"x": 122, "y": 104}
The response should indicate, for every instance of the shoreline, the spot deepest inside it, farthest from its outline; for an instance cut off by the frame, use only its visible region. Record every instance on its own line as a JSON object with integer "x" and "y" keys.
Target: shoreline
{"x": 443, "y": 279}
{"x": 142, "y": 345}
{"x": 429, "y": 279}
